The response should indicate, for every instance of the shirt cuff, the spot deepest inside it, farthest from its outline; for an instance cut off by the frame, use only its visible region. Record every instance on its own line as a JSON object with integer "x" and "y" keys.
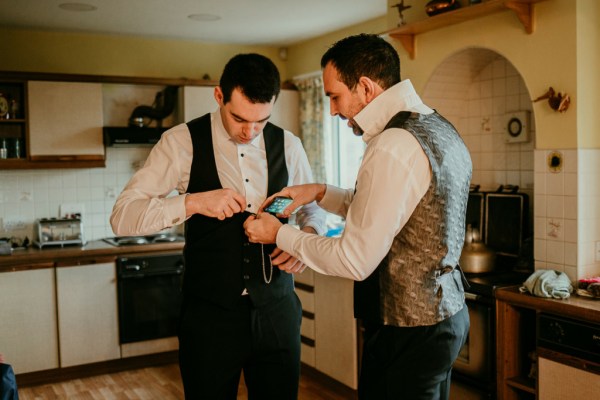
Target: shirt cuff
{"x": 286, "y": 237}
{"x": 174, "y": 210}
{"x": 333, "y": 195}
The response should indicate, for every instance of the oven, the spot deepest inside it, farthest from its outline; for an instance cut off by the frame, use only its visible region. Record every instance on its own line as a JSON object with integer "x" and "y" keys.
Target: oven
{"x": 149, "y": 296}
{"x": 503, "y": 217}
{"x": 474, "y": 371}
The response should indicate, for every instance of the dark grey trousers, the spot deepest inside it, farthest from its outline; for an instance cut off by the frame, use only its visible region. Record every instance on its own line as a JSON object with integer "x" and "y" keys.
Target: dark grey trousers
{"x": 216, "y": 345}
{"x": 411, "y": 363}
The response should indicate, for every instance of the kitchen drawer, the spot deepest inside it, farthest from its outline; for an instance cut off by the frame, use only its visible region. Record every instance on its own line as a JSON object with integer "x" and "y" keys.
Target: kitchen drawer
{"x": 308, "y": 327}
{"x": 307, "y": 354}
{"x": 307, "y": 277}
{"x": 307, "y": 299}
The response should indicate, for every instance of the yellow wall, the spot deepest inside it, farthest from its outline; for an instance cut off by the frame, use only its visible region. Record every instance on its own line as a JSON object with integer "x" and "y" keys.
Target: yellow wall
{"x": 545, "y": 58}
{"x": 305, "y": 57}
{"x": 588, "y": 73}
{"x": 548, "y": 57}
{"x": 79, "y": 53}
{"x": 563, "y": 52}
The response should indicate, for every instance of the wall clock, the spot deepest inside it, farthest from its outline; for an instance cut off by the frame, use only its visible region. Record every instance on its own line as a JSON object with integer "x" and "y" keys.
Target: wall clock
{"x": 517, "y": 127}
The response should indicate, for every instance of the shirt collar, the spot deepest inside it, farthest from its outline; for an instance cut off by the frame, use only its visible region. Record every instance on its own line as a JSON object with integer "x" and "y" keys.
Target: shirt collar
{"x": 224, "y": 136}
{"x": 401, "y": 97}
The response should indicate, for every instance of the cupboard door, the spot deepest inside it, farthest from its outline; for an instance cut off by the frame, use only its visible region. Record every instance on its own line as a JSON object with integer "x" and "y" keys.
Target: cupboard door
{"x": 87, "y": 314}
{"x": 28, "y": 337}
{"x": 65, "y": 121}
{"x": 336, "y": 352}
{"x": 196, "y": 101}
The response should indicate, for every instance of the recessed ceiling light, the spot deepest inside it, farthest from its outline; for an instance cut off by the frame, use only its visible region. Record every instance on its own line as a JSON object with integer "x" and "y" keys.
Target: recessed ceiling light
{"x": 204, "y": 17}
{"x": 77, "y": 7}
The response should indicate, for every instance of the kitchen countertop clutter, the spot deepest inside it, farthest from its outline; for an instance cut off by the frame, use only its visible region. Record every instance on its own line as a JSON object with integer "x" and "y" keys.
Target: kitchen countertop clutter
{"x": 24, "y": 259}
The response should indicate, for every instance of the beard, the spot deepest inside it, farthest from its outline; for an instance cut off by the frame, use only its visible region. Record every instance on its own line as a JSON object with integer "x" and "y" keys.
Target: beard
{"x": 355, "y": 128}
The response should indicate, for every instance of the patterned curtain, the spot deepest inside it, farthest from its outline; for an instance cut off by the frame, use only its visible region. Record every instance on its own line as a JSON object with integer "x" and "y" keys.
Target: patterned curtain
{"x": 314, "y": 129}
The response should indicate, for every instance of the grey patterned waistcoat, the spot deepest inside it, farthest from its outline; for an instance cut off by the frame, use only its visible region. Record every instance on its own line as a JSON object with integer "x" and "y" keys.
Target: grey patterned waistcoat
{"x": 417, "y": 283}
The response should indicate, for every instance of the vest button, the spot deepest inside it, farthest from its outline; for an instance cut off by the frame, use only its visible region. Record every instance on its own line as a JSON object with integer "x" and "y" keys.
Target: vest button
{"x": 246, "y": 260}
{"x": 246, "y": 277}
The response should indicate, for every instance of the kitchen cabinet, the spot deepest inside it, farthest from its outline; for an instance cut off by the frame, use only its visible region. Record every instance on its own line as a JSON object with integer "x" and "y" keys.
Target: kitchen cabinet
{"x": 305, "y": 289}
{"x": 196, "y": 101}
{"x": 28, "y": 336}
{"x": 65, "y": 122}
{"x": 335, "y": 329}
{"x": 87, "y": 313}
{"x": 527, "y": 368}
{"x": 13, "y": 123}
{"x": 523, "y": 9}
{"x": 329, "y": 330}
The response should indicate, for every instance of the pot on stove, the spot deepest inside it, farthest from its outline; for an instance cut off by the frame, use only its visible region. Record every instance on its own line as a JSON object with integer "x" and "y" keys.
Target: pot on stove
{"x": 476, "y": 257}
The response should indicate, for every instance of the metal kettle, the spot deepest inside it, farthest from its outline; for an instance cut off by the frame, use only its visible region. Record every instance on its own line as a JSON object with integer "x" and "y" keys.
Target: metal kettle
{"x": 476, "y": 257}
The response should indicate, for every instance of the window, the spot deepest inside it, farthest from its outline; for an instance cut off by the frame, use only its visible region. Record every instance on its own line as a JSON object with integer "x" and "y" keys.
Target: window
{"x": 344, "y": 152}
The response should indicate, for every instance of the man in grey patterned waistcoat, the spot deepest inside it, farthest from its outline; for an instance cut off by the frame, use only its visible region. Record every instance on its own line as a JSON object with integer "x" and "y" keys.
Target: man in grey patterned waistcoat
{"x": 405, "y": 224}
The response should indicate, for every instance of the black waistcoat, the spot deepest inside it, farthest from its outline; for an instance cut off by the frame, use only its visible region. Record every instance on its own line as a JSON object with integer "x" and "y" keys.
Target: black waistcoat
{"x": 219, "y": 260}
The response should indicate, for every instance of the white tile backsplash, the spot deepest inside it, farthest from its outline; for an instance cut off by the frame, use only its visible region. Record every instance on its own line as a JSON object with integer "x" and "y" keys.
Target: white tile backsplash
{"x": 32, "y": 194}
{"x": 566, "y": 204}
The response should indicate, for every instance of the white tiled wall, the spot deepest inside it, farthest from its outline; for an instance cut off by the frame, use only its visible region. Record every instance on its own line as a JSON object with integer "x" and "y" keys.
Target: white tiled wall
{"x": 26, "y": 195}
{"x": 475, "y": 89}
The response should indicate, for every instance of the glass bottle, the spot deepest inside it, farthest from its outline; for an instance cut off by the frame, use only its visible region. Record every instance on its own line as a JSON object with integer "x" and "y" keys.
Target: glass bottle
{"x": 3, "y": 150}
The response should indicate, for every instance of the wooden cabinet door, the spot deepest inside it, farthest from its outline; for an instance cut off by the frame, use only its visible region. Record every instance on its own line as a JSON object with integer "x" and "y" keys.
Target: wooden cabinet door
{"x": 65, "y": 121}
{"x": 28, "y": 338}
{"x": 87, "y": 313}
{"x": 196, "y": 101}
{"x": 335, "y": 329}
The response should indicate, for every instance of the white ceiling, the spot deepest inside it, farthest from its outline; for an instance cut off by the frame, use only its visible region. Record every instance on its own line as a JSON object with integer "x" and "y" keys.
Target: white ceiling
{"x": 245, "y": 22}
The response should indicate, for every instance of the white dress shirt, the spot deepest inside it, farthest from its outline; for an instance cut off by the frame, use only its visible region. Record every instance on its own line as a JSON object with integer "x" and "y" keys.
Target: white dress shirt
{"x": 393, "y": 177}
{"x": 148, "y": 204}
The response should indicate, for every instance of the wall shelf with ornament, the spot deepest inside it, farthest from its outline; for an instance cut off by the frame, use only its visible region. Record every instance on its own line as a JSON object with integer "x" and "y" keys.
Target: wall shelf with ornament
{"x": 523, "y": 9}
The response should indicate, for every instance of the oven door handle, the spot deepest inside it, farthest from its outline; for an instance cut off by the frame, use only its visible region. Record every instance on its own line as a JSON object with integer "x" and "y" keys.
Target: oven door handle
{"x": 472, "y": 296}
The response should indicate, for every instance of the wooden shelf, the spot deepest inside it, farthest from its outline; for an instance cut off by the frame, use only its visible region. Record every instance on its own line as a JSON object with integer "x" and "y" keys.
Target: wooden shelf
{"x": 406, "y": 33}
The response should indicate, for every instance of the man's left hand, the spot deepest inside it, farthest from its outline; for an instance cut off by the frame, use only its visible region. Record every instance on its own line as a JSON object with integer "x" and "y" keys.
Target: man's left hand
{"x": 262, "y": 228}
{"x": 287, "y": 262}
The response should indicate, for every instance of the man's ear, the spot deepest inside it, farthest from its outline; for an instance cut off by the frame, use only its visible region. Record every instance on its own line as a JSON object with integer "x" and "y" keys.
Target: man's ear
{"x": 368, "y": 89}
{"x": 219, "y": 96}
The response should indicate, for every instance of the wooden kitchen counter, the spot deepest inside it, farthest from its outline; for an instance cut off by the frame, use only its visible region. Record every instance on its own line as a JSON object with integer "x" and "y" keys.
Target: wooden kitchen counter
{"x": 94, "y": 251}
{"x": 578, "y": 307}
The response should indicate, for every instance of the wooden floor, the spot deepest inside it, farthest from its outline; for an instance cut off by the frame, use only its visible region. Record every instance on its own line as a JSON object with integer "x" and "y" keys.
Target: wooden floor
{"x": 162, "y": 382}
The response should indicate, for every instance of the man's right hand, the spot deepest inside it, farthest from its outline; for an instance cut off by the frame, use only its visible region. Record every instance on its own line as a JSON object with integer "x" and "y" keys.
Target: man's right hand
{"x": 220, "y": 203}
{"x": 300, "y": 194}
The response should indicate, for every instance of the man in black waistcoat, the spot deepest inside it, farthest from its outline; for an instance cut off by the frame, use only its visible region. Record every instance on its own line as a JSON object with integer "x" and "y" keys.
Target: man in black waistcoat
{"x": 239, "y": 313}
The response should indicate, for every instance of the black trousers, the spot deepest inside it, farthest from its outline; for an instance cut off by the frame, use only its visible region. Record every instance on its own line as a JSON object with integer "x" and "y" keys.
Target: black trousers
{"x": 412, "y": 363}
{"x": 216, "y": 345}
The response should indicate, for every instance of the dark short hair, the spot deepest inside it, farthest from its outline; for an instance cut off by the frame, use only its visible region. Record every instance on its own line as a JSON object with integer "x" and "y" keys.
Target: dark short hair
{"x": 364, "y": 55}
{"x": 255, "y": 75}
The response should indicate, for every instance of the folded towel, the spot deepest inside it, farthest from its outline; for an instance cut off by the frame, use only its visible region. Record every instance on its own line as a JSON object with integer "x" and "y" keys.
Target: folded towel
{"x": 548, "y": 283}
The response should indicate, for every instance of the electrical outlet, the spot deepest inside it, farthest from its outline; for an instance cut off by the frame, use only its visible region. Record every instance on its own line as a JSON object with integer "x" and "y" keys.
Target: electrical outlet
{"x": 598, "y": 251}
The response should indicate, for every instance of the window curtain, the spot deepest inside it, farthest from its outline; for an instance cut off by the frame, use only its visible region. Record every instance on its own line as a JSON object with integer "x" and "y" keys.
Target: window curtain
{"x": 314, "y": 125}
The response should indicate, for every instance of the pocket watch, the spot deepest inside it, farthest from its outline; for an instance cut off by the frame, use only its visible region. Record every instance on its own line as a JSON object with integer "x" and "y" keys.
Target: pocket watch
{"x": 3, "y": 105}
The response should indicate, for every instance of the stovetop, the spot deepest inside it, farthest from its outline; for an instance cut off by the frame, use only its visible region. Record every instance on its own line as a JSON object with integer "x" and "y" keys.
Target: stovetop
{"x": 486, "y": 284}
{"x": 141, "y": 240}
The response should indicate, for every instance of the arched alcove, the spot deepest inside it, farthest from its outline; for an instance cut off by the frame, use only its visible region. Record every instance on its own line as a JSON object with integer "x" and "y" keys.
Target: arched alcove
{"x": 480, "y": 91}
